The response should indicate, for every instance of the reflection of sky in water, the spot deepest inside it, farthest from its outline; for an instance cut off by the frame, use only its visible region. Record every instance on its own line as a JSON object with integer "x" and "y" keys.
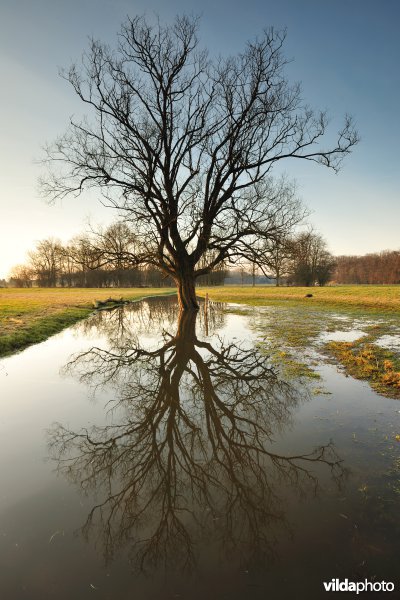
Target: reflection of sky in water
{"x": 340, "y": 533}
{"x": 389, "y": 341}
{"x": 341, "y": 336}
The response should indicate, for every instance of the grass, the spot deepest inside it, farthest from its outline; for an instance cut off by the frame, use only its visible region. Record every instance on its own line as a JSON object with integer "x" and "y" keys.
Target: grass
{"x": 29, "y": 316}
{"x": 299, "y": 333}
{"x": 293, "y": 332}
{"x": 289, "y": 333}
{"x": 363, "y": 359}
{"x": 291, "y": 327}
{"x": 374, "y": 298}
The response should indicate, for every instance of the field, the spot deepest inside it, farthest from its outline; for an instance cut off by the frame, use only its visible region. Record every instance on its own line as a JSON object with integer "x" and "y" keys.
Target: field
{"x": 28, "y": 316}
{"x": 376, "y": 298}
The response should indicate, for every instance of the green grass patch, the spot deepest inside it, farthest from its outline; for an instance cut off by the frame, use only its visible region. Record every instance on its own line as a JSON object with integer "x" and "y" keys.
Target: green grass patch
{"x": 39, "y": 329}
{"x": 288, "y": 335}
{"x": 293, "y": 368}
{"x": 29, "y": 316}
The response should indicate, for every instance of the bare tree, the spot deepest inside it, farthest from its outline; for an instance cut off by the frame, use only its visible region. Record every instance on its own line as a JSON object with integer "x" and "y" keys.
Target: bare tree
{"x": 192, "y": 440}
{"x": 311, "y": 262}
{"x": 21, "y": 276}
{"x": 325, "y": 268}
{"x": 45, "y": 261}
{"x": 116, "y": 248}
{"x": 276, "y": 258}
{"x": 184, "y": 145}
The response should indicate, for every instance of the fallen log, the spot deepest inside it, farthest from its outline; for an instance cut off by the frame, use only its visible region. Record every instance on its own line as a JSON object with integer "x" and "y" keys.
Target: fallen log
{"x": 109, "y": 303}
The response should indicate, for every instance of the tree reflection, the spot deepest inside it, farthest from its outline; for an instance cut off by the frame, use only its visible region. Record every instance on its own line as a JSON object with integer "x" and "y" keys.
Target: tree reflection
{"x": 189, "y": 455}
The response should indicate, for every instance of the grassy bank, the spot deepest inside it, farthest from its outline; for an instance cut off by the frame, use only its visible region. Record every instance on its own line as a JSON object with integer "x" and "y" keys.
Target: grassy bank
{"x": 29, "y": 316}
{"x": 363, "y": 359}
{"x": 375, "y": 298}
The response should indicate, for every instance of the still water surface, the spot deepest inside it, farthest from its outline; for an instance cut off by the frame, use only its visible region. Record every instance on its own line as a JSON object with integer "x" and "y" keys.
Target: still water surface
{"x": 149, "y": 456}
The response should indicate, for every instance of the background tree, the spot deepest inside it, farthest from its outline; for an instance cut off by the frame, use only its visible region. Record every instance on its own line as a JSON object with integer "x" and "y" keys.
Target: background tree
{"x": 100, "y": 258}
{"x": 184, "y": 145}
{"x": 21, "y": 276}
{"x": 276, "y": 258}
{"x": 311, "y": 262}
{"x": 217, "y": 275}
{"x": 325, "y": 268}
{"x": 45, "y": 262}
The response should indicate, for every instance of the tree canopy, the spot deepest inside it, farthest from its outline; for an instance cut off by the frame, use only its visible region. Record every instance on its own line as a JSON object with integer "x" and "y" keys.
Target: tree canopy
{"x": 184, "y": 145}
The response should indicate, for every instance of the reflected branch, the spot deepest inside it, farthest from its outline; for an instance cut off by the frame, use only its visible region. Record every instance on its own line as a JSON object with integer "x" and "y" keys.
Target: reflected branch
{"x": 190, "y": 452}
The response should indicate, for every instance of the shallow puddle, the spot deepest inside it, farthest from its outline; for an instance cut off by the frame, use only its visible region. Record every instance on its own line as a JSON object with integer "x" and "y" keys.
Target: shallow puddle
{"x": 342, "y": 336}
{"x": 389, "y": 341}
{"x": 149, "y": 456}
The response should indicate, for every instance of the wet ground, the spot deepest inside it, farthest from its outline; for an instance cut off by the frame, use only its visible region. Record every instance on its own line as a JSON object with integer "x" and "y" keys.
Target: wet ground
{"x": 149, "y": 456}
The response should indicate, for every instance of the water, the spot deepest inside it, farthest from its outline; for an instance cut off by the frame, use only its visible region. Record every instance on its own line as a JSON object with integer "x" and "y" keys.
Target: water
{"x": 144, "y": 456}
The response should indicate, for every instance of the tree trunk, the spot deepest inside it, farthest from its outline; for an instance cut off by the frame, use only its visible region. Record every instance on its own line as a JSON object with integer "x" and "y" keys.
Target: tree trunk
{"x": 185, "y": 336}
{"x": 187, "y": 292}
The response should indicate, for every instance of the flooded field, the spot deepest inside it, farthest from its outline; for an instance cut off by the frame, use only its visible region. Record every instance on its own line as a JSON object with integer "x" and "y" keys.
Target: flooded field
{"x": 150, "y": 455}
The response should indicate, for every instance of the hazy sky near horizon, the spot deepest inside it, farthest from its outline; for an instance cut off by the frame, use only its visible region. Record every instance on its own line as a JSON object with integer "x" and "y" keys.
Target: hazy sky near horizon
{"x": 345, "y": 54}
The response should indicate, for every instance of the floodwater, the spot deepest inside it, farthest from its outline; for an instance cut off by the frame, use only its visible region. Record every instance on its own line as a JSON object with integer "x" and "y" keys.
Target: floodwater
{"x": 147, "y": 456}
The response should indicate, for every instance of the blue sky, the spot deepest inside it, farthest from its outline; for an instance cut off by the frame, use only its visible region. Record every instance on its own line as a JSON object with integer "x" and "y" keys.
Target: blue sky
{"x": 345, "y": 53}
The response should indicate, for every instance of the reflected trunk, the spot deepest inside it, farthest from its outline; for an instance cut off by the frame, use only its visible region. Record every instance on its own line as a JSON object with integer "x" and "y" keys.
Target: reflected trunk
{"x": 189, "y": 455}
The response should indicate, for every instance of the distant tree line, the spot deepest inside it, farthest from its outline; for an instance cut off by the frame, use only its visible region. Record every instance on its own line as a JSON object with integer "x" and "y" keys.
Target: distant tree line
{"x": 377, "y": 268}
{"x": 109, "y": 258}
{"x": 105, "y": 258}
